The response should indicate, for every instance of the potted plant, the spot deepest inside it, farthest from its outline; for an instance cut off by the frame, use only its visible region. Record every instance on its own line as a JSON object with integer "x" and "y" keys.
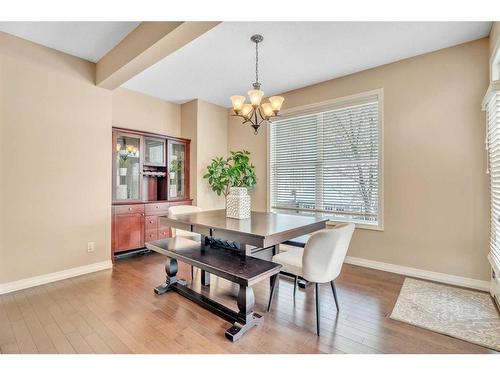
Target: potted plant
{"x": 232, "y": 177}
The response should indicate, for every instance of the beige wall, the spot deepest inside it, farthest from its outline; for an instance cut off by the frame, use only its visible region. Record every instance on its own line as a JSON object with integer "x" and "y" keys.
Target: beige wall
{"x": 189, "y": 129}
{"x": 206, "y": 125}
{"x": 55, "y": 190}
{"x": 55, "y": 161}
{"x": 436, "y": 190}
{"x": 212, "y": 142}
{"x": 55, "y": 139}
{"x": 134, "y": 110}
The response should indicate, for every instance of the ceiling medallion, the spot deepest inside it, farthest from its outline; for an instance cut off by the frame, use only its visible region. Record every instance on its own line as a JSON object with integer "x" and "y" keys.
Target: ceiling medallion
{"x": 256, "y": 113}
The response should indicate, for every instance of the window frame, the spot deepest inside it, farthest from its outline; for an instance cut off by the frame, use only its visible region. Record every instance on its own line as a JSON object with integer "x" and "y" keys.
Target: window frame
{"x": 344, "y": 101}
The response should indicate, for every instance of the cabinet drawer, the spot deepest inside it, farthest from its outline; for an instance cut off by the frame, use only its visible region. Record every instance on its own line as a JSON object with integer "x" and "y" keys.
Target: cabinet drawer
{"x": 151, "y": 222}
{"x": 128, "y": 209}
{"x": 156, "y": 208}
{"x": 163, "y": 232}
{"x": 150, "y": 235}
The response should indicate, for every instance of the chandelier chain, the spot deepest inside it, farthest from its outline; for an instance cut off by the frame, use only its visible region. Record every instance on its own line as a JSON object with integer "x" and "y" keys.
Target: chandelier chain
{"x": 257, "y": 62}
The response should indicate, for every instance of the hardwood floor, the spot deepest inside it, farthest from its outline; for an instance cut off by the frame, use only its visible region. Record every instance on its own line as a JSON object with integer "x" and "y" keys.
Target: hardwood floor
{"x": 117, "y": 312}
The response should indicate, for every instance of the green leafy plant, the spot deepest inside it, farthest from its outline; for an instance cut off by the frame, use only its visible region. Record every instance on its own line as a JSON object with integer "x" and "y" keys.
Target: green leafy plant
{"x": 235, "y": 171}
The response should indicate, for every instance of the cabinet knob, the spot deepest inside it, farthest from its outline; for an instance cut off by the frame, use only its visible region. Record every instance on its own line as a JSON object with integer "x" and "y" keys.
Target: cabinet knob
{"x": 130, "y": 208}
{"x": 142, "y": 214}
{"x": 157, "y": 206}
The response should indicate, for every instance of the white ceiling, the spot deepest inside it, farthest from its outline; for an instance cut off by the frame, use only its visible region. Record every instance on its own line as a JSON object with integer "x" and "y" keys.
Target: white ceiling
{"x": 220, "y": 63}
{"x": 87, "y": 40}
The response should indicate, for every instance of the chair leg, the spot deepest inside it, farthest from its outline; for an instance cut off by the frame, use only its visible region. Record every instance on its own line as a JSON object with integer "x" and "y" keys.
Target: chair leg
{"x": 295, "y": 282}
{"x": 274, "y": 281}
{"x": 334, "y": 290}
{"x": 317, "y": 309}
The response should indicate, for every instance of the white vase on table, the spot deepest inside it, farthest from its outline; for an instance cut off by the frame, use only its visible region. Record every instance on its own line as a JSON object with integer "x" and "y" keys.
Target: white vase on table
{"x": 238, "y": 203}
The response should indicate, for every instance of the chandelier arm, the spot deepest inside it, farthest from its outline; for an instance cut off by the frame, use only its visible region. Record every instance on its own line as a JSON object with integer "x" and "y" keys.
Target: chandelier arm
{"x": 263, "y": 118}
{"x": 243, "y": 117}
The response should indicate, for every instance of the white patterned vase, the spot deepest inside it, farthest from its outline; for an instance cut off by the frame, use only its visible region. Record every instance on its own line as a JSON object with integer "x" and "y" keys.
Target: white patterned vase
{"x": 238, "y": 203}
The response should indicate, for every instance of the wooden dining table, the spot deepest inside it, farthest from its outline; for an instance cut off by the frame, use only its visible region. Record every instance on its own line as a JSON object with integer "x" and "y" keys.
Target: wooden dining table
{"x": 258, "y": 236}
{"x": 237, "y": 250}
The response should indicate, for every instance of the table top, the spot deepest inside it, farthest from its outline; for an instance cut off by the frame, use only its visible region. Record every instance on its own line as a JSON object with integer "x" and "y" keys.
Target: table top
{"x": 231, "y": 265}
{"x": 259, "y": 224}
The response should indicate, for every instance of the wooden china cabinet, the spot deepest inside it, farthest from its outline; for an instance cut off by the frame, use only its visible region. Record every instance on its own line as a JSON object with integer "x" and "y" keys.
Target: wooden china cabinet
{"x": 150, "y": 174}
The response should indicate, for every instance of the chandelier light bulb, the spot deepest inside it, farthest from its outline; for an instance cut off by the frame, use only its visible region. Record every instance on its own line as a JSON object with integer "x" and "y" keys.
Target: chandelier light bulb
{"x": 237, "y": 101}
{"x": 246, "y": 110}
{"x": 255, "y": 97}
{"x": 276, "y": 102}
{"x": 267, "y": 109}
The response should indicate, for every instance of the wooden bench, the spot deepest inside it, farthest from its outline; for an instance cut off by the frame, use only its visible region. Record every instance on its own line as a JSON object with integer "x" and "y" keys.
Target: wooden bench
{"x": 231, "y": 265}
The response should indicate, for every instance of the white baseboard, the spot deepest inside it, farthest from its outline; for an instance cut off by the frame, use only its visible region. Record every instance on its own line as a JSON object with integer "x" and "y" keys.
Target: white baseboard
{"x": 55, "y": 276}
{"x": 421, "y": 274}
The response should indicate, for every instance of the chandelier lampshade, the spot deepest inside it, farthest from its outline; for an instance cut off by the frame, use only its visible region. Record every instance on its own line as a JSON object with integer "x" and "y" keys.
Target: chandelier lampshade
{"x": 256, "y": 113}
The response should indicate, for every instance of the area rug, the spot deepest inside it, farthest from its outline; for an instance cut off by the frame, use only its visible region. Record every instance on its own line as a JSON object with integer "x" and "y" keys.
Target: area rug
{"x": 464, "y": 314}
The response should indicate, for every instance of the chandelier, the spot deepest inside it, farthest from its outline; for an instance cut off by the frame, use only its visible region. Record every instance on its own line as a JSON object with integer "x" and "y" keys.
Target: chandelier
{"x": 255, "y": 112}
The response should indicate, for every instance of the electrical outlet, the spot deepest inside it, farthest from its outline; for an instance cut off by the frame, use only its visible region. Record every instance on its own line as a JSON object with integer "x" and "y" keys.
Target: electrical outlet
{"x": 90, "y": 247}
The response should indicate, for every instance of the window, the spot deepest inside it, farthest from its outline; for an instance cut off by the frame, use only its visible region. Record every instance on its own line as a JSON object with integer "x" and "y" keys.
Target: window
{"x": 492, "y": 107}
{"x": 327, "y": 159}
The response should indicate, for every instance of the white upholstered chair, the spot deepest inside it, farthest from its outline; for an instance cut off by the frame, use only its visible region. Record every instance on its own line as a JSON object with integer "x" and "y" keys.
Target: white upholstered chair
{"x": 320, "y": 261}
{"x": 179, "y": 210}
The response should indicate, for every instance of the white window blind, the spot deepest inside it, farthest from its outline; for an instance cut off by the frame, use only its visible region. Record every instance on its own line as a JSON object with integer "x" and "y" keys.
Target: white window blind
{"x": 326, "y": 159}
{"x": 493, "y": 145}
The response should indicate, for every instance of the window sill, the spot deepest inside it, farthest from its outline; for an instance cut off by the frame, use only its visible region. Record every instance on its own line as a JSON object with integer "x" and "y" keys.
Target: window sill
{"x": 379, "y": 228}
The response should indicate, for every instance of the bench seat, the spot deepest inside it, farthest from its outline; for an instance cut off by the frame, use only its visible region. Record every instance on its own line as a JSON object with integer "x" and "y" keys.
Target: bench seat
{"x": 230, "y": 265}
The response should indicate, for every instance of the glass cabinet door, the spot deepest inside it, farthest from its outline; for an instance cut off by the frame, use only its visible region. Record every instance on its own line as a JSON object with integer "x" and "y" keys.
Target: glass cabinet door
{"x": 128, "y": 167}
{"x": 176, "y": 170}
{"x": 154, "y": 152}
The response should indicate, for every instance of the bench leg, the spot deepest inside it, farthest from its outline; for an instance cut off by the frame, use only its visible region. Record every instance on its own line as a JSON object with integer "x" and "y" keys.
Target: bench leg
{"x": 276, "y": 250}
{"x": 246, "y": 317}
{"x": 171, "y": 269}
{"x": 205, "y": 278}
{"x": 274, "y": 280}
